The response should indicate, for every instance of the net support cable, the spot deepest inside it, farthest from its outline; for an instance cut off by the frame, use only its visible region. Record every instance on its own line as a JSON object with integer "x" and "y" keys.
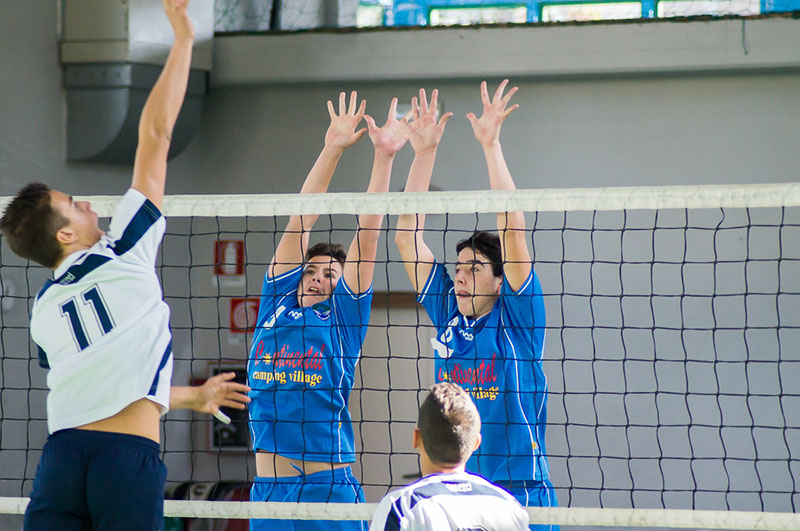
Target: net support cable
{"x": 470, "y": 201}
{"x": 566, "y": 516}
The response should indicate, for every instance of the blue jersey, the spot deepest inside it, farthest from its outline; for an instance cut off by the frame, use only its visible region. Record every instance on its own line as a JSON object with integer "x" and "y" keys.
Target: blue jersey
{"x": 497, "y": 359}
{"x": 301, "y": 370}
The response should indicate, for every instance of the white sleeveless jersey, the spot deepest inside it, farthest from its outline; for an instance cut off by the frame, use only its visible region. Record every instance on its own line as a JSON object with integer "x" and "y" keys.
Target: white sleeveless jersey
{"x": 458, "y": 501}
{"x": 102, "y": 326}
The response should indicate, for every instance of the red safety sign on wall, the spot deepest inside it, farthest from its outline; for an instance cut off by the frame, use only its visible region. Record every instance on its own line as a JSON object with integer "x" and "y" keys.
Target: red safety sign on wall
{"x": 244, "y": 312}
{"x": 229, "y": 258}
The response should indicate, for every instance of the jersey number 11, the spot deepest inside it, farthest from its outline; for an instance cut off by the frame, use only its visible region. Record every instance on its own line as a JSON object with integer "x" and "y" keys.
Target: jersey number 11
{"x": 69, "y": 309}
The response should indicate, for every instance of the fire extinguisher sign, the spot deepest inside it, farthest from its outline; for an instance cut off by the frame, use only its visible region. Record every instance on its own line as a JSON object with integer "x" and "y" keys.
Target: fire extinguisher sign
{"x": 229, "y": 263}
{"x": 229, "y": 258}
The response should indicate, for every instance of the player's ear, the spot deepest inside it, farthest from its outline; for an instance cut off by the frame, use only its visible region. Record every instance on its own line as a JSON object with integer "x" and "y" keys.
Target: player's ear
{"x": 477, "y": 442}
{"x": 66, "y": 235}
{"x": 416, "y": 438}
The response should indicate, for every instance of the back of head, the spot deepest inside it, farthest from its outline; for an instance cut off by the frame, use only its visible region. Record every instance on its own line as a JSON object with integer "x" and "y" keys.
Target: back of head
{"x": 334, "y": 250}
{"x": 488, "y": 244}
{"x": 449, "y": 423}
{"x": 29, "y": 225}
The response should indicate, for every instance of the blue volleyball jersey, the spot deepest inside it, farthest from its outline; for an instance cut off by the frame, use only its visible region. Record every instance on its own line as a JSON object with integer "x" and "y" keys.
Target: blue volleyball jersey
{"x": 497, "y": 359}
{"x": 301, "y": 370}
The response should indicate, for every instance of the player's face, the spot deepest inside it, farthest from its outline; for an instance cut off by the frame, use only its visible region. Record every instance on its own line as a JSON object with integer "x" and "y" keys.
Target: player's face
{"x": 476, "y": 286}
{"x": 81, "y": 219}
{"x": 320, "y": 276}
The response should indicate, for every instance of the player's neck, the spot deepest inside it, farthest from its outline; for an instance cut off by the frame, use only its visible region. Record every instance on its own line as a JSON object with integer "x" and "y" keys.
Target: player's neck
{"x": 428, "y": 467}
{"x": 70, "y": 250}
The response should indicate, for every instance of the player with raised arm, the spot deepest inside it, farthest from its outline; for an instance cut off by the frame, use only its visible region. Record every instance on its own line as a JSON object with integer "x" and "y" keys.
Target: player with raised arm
{"x": 490, "y": 319}
{"x": 315, "y": 307}
{"x": 102, "y": 329}
{"x": 448, "y": 497}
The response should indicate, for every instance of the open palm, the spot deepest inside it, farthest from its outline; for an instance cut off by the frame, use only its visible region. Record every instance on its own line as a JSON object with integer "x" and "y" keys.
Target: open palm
{"x": 341, "y": 133}
{"x": 424, "y": 132}
{"x": 495, "y": 111}
{"x": 390, "y": 138}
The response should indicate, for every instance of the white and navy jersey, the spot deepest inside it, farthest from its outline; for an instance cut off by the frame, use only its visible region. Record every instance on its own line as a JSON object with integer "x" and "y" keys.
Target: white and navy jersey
{"x": 101, "y": 324}
{"x": 301, "y": 370}
{"x": 456, "y": 501}
{"x": 497, "y": 359}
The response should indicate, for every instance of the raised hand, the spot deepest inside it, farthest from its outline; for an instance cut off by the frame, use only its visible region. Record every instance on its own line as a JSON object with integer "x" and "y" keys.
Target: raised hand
{"x": 390, "y": 138}
{"x": 424, "y": 132}
{"x": 487, "y": 127}
{"x": 342, "y": 132}
{"x": 178, "y": 19}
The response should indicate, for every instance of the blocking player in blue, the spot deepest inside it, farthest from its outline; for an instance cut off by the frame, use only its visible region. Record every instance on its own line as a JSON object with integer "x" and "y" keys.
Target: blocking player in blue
{"x": 490, "y": 318}
{"x": 102, "y": 329}
{"x": 315, "y": 307}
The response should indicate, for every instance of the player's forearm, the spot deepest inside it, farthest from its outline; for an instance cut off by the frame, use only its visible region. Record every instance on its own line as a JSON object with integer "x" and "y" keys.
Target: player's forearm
{"x": 419, "y": 180}
{"x": 166, "y": 98}
{"x": 317, "y": 182}
{"x": 369, "y": 224}
{"x": 500, "y": 179}
{"x": 184, "y": 397}
{"x": 421, "y": 171}
{"x": 321, "y": 173}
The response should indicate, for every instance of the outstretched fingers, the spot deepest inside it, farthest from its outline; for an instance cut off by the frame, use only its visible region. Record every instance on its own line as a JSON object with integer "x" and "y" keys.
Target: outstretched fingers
{"x": 498, "y": 94}
{"x": 423, "y": 101}
{"x": 392, "y": 110}
{"x": 443, "y": 119}
{"x": 342, "y": 104}
{"x": 361, "y": 110}
{"x": 371, "y": 125}
{"x": 485, "y": 95}
{"x": 509, "y": 111}
{"x": 508, "y": 96}
{"x": 351, "y": 110}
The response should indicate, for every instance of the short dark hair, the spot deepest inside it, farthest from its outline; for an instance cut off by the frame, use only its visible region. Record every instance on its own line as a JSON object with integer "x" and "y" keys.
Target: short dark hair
{"x": 334, "y": 250}
{"x": 449, "y": 423}
{"x": 488, "y": 244}
{"x": 30, "y": 224}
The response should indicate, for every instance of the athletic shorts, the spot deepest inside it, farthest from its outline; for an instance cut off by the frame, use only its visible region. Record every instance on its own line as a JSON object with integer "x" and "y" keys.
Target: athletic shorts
{"x": 96, "y": 480}
{"x": 534, "y": 494}
{"x": 335, "y": 486}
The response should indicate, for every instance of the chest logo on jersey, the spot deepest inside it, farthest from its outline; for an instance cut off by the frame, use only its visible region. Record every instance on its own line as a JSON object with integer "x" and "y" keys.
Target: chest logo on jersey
{"x": 295, "y": 314}
{"x": 322, "y": 311}
{"x": 475, "y": 380}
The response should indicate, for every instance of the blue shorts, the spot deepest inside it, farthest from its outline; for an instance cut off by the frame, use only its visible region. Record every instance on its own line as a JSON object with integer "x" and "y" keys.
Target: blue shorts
{"x": 334, "y": 486}
{"x": 96, "y": 480}
{"x": 534, "y": 494}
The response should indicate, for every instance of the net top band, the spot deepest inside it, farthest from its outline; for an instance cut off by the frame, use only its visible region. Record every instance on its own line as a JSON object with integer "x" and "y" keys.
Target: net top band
{"x": 471, "y": 201}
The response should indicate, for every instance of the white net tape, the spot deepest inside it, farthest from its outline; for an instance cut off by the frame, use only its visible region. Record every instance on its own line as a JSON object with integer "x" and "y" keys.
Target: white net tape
{"x": 472, "y": 201}
{"x": 566, "y": 516}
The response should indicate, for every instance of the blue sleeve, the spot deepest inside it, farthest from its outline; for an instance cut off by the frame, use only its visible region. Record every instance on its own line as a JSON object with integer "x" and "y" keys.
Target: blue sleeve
{"x": 438, "y": 297}
{"x": 136, "y": 229}
{"x": 278, "y": 290}
{"x": 43, "y": 363}
{"x": 351, "y": 317}
{"x": 524, "y": 315}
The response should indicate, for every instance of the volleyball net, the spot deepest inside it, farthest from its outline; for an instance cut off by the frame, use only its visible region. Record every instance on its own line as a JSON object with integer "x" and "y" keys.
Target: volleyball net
{"x": 673, "y": 319}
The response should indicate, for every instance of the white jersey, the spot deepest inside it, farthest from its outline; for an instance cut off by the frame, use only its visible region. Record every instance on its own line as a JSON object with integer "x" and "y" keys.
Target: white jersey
{"x": 102, "y": 326}
{"x": 450, "y": 501}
